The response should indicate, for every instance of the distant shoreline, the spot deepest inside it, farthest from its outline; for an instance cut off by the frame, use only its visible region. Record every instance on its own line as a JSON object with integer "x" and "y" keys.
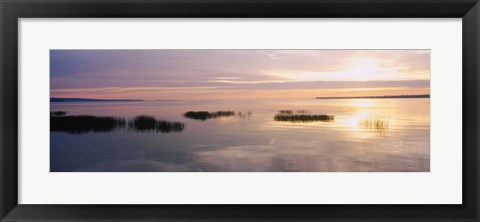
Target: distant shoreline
{"x": 378, "y": 97}
{"x": 92, "y": 100}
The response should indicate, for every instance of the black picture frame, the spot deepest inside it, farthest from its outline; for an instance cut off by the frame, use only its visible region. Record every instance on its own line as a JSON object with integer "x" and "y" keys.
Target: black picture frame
{"x": 12, "y": 10}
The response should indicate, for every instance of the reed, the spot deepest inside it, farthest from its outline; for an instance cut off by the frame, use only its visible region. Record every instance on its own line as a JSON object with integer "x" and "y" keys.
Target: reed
{"x": 200, "y": 115}
{"x": 285, "y": 112}
{"x": 302, "y": 112}
{"x": 143, "y": 123}
{"x": 84, "y": 124}
{"x": 290, "y": 112}
{"x": 204, "y": 115}
{"x": 301, "y": 116}
{"x": 58, "y": 113}
{"x": 375, "y": 123}
{"x": 149, "y": 123}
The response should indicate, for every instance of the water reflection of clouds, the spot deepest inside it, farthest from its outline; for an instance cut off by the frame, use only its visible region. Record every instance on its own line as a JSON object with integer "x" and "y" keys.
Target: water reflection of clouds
{"x": 294, "y": 156}
{"x": 282, "y": 153}
{"x": 256, "y": 144}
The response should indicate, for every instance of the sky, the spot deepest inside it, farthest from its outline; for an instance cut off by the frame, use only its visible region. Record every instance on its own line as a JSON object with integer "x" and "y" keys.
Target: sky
{"x": 237, "y": 74}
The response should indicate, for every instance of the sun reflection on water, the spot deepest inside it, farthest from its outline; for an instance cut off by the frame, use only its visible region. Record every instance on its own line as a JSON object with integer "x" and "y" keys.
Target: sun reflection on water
{"x": 361, "y": 103}
{"x": 367, "y": 121}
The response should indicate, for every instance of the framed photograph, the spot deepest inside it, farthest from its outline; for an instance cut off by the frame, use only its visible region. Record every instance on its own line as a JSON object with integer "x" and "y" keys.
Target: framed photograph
{"x": 239, "y": 110}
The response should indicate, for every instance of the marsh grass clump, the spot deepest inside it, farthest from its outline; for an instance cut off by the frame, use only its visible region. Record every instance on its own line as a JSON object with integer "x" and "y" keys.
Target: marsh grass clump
{"x": 285, "y": 112}
{"x": 58, "y": 113}
{"x": 85, "y": 124}
{"x": 204, "y": 115}
{"x": 167, "y": 126}
{"x": 302, "y": 112}
{"x": 221, "y": 114}
{"x": 301, "y": 116}
{"x": 143, "y": 123}
{"x": 200, "y": 115}
{"x": 150, "y": 123}
{"x": 375, "y": 123}
{"x": 290, "y": 112}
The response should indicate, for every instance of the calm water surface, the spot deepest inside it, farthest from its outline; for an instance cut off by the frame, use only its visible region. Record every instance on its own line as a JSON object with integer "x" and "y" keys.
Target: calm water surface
{"x": 252, "y": 141}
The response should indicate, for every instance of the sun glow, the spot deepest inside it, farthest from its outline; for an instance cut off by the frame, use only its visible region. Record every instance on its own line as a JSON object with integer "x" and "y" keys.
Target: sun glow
{"x": 239, "y": 74}
{"x": 362, "y": 103}
{"x": 359, "y": 69}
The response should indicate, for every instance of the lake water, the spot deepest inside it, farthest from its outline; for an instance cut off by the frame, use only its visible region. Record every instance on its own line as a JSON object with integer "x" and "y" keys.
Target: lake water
{"x": 252, "y": 141}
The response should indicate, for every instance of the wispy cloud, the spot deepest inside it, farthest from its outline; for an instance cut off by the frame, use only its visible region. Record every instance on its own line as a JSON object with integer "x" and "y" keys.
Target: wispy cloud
{"x": 132, "y": 72}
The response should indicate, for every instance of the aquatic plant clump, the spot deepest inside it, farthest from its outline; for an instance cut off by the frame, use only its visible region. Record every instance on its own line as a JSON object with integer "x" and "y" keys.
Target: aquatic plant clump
{"x": 303, "y": 117}
{"x": 291, "y": 112}
{"x": 84, "y": 124}
{"x": 285, "y": 112}
{"x": 204, "y": 115}
{"x": 150, "y": 123}
{"x": 143, "y": 123}
{"x": 375, "y": 123}
{"x": 302, "y": 112}
{"x": 222, "y": 113}
{"x": 58, "y": 113}
{"x": 201, "y": 115}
